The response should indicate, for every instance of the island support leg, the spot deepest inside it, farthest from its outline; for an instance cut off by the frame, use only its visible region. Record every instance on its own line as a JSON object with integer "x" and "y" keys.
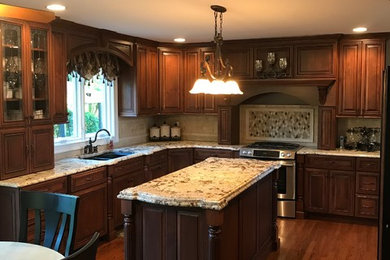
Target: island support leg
{"x": 214, "y": 222}
{"x": 275, "y": 231}
{"x": 129, "y": 229}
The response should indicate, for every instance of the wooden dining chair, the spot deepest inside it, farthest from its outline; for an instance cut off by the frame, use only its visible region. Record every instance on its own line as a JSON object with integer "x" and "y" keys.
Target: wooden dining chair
{"x": 60, "y": 215}
{"x": 87, "y": 252}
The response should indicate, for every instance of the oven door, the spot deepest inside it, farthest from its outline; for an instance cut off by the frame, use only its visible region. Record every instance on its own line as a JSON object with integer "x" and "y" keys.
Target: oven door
{"x": 286, "y": 180}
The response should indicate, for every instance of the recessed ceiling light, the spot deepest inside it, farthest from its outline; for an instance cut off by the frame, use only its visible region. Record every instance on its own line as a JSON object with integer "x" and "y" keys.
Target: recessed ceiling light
{"x": 56, "y": 7}
{"x": 359, "y": 29}
{"x": 179, "y": 40}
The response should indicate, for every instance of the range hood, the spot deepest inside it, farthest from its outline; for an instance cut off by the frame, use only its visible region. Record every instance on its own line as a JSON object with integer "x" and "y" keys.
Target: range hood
{"x": 322, "y": 84}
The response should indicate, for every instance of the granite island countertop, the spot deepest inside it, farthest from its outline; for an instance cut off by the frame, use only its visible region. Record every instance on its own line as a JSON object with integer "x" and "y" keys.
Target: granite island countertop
{"x": 70, "y": 166}
{"x": 210, "y": 184}
{"x": 339, "y": 152}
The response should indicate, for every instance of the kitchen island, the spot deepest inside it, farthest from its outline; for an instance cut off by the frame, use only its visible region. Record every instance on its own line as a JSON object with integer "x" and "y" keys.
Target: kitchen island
{"x": 216, "y": 209}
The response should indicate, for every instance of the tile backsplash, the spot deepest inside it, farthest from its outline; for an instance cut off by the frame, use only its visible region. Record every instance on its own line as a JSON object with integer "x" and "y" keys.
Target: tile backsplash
{"x": 292, "y": 123}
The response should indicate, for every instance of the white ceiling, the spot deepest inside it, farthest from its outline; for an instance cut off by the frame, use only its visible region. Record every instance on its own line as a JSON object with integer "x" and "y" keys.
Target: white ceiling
{"x": 163, "y": 20}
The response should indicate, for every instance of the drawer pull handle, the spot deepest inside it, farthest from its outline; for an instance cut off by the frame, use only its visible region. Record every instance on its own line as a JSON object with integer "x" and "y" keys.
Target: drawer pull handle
{"x": 89, "y": 179}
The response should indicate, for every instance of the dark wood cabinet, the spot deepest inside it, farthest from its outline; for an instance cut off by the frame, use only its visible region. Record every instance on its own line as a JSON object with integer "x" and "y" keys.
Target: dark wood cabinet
{"x": 193, "y": 103}
{"x": 316, "y": 60}
{"x": 361, "y": 68}
{"x": 203, "y": 154}
{"x": 14, "y": 152}
{"x": 372, "y": 77}
{"x": 210, "y": 102}
{"x": 156, "y": 165}
{"x": 147, "y": 80}
{"x": 228, "y": 125}
{"x": 171, "y": 80}
{"x": 342, "y": 192}
{"x": 316, "y": 190}
{"x": 122, "y": 175}
{"x": 339, "y": 185}
{"x": 42, "y": 148}
{"x": 241, "y": 58}
{"x": 60, "y": 109}
{"x": 350, "y": 78}
{"x": 91, "y": 187}
{"x": 327, "y": 128}
{"x": 367, "y": 206}
{"x": 180, "y": 158}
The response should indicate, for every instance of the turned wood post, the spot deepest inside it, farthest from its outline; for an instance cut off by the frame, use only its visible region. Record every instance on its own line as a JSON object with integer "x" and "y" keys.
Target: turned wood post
{"x": 214, "y": 222}
{"x": 129, "y": 229}
{"x": 275, "y": 233}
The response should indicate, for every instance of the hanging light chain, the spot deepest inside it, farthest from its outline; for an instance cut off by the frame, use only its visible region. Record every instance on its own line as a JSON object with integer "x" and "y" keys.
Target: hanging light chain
{"x": 215, "y": 24}
{"x": 220, "y": 24}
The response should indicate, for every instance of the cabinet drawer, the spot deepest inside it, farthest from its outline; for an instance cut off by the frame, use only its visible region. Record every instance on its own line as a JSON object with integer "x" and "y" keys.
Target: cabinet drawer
{"x": 202, "y": 154}
{"x": 330, "y": 162}
{"x": 57, "y": 186}
{"x": 88, "y": 179}
{"x": 128, "y": 166}
{"x": 366, "y": 206}
{"x": 367, "y": 183}
{"x": 157, "y": 158}
{"x": 368, "y": 164}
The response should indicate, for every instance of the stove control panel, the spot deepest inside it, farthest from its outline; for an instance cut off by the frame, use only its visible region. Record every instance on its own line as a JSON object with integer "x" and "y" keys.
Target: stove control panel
{"x": 266, "y": 153}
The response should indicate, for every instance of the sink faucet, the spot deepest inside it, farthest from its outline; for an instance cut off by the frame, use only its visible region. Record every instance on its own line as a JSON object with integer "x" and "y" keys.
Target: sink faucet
{"x": 89, "y": 148}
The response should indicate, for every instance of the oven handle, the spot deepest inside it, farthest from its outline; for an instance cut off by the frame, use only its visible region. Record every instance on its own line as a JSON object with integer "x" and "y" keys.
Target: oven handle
{"x": 287, "y": 163}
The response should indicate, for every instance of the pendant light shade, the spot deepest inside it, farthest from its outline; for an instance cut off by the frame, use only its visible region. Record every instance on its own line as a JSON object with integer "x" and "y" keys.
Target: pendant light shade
{"x": 221, "y": 82}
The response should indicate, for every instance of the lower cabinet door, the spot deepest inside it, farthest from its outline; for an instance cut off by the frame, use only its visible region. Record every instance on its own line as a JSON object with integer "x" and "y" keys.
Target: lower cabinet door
{"x": 42, "y": 148}
{"x": 14, "y": 151}
{"x": 316, "y": 190}
{"x": 342, "y": 192}
{"x": 92, "y": 213}
{"x": 180, "y": 158}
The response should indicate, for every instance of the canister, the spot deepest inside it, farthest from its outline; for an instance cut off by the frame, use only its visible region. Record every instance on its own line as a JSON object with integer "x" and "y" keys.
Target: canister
{"x": 176, "y": 132}
{"x": 165, "y": 132}
{"x": 154, "y": 133}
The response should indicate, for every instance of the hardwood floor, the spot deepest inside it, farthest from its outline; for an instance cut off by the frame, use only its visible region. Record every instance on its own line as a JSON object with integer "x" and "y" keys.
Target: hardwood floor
{"x": 301, "y": 239}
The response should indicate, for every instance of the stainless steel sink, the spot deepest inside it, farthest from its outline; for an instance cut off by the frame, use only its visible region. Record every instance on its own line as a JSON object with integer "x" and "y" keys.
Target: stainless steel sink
{"x": 109, "y": 155}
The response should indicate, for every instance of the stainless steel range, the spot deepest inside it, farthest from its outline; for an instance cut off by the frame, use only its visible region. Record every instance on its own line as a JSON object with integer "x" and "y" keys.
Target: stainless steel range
{"x": 285, "y": 153}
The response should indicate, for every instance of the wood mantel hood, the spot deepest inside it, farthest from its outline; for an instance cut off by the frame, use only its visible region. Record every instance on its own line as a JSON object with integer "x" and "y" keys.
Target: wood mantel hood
{"x": 322, "y": 84}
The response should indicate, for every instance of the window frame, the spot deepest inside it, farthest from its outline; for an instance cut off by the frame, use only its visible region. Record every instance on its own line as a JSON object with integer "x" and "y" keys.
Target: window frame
{"x": 71, "y": 144}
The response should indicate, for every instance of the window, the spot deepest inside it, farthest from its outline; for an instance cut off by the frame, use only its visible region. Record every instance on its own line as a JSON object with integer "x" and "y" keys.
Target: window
{"x": 91, "y": 106}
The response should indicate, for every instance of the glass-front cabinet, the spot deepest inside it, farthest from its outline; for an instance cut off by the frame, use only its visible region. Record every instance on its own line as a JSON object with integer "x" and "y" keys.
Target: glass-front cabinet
{"x": 25, "y": 91}
{"x": 12, "y": 76}
{"x": 39, "y": 69}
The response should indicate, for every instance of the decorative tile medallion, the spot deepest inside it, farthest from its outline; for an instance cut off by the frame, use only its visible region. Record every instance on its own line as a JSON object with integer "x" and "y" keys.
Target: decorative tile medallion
{"x": 279, "y": 123}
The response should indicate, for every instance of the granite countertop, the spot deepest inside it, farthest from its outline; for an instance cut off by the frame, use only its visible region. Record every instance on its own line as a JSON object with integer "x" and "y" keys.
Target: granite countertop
{"x": 210, "y": 184}
{"x": 339, "y": 152}
{"x": 70, "y": 166}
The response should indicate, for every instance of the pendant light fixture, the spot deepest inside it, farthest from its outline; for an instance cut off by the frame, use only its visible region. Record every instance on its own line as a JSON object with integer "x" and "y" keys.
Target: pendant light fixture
{"x": 221, "y": 82}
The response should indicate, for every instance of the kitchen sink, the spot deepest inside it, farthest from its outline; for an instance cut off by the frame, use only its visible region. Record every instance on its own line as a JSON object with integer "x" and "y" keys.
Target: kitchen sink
{"x": 109, "y": 155}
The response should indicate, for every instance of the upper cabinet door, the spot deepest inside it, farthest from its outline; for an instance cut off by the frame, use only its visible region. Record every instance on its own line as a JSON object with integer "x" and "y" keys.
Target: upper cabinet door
{"x": 350, "y": 78}
{"x": 40, "y": 94}
{"x": 13, "y": 74}
{"x": 147, "y": 80}
{"x": 59, "y": 76}
{"x": 241, "y": 58}
{"x": 316, "y": 60}
{"x": 171, "y": 80}
{"x": 192, "y": 102}
{"x": 373, "y": 66}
